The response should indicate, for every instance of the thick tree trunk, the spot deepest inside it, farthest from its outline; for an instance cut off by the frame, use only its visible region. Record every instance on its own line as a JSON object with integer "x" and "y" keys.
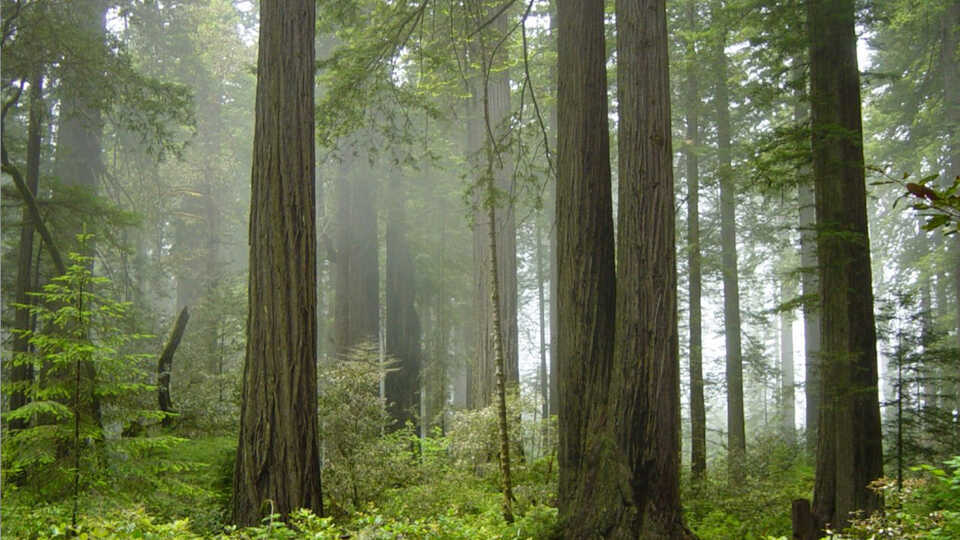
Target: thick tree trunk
{"x": 646, "y": 375}
{"x": 736, "y": 434}
{"x": 698, "y": 414}
{"x": 585, "y": 268}
{"x": 278, "y": 461}
{"x": 850, "y": 453}
{"x": 21, "y": 375}
{"x": 402, "y": 382}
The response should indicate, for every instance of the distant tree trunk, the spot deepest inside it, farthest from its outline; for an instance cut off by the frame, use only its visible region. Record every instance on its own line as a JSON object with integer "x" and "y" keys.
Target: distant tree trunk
{"x": 357, "y": 272}
{"x": 402, "y": 383}
{"x": 492, "y": 114}
{"x": 736, "y": 435}
{"x": 698, "y": 414}
{"x": 79, "y": 137}
{"x": 809, "y": 283}
{"x": 788, "y": 411}
{"x": 850, "y": 452}
{"x": 78, "y": 162}
{"x": 544, "y": 392}
{"x": 165, "y": 365}
{"x": 585, "y": 270}
{"x": 554, "y": 406}
{"x": 951, "y": 100}
{"x": 645, "y": 381}
{"x": 278, "y": 461}
{"x": 22, "y": 375}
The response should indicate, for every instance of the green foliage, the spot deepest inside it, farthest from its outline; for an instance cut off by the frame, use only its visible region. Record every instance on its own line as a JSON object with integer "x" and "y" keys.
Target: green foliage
{"x": 760, "y": 507}
{"x": 88, "y": 380}
{"x": 927, "y": 506}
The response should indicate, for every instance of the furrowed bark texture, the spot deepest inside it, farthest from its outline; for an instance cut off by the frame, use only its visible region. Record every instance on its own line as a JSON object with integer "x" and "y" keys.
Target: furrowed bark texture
{"x": 585, "y": 269}
{"x": 646, "y": 372}
{"x": 278, "y": 462}
{"x": 849, "y": 454}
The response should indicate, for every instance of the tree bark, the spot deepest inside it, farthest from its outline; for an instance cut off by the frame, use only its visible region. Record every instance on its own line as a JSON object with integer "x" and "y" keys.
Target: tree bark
{"x": 736, "y": 434}
{"x": 165, "y": 365}
{"x": 585, "y": 269}
{"x": 850, "y": 453}
{"x": 698, "y": 414}
{"x": 646, "y": 371}
{"x": 278, "y": 461}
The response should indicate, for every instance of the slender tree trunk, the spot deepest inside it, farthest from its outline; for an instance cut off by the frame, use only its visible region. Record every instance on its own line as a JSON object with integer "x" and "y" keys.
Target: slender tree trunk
{"x": 850, "y": 453}
{"x": 278, "y": 460}
{"x": 585, "y": 269}
{"x": 491, "y": 89}
{"x": 21, "y": 375}
{"x": 502, "y": 425}
{"x": 544, "y": 392}
{"x": 736, "y": 435}
{"x": 698, "y": 414}
{"x": 788, "y": 411}
{"x": 809, "y": 284}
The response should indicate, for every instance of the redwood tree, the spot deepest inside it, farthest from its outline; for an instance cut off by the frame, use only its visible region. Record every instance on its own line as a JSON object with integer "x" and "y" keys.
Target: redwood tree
{"x": 278, "y": 461}
{"x": 849, "y": 450}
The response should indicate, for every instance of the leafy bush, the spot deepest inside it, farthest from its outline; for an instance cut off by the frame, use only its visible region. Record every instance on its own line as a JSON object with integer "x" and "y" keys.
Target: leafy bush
{"x": 926, "y": 506}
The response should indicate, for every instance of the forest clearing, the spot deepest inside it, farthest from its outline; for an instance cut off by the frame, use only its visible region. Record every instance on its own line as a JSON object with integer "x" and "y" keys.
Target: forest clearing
{"x": 480, "y": 269}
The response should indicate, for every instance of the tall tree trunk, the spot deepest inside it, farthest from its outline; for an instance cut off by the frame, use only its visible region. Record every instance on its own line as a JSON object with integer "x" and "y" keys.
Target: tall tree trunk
{"x": 646, "y": 373}
{"x": 810, "y": 285}
{"x": 849, "y": 453}
{"x": 736, "y": 434}
{"x": 554, "y": 407}
{"x": 544, "y": 391}
{"x": 585, "y": 268}
{"x": 788, "y": 411}
{"x": 698, "y": 414}
{"x": 21, "y": 375}
{"x": 78, "y": 162}
{"x": 491, "y": 89}
{"x": 357, "y": 272}
{"x": 278, "y": 461}
{"x": 402, "y": 383}
{"x": 503, "y": 427}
